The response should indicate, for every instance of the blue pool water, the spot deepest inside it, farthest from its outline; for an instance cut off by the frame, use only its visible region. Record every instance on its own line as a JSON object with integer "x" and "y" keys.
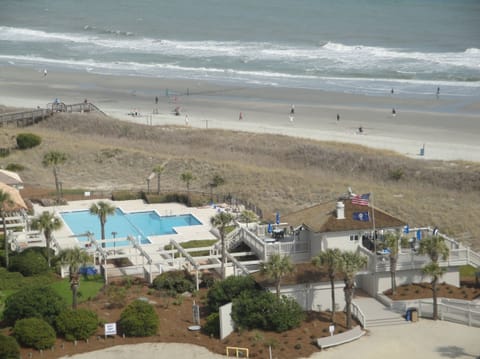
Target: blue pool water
{"x": 135, "y": 224}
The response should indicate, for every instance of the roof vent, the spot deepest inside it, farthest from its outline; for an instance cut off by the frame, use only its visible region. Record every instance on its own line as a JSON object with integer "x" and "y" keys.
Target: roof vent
{"x": 340, "y": 210}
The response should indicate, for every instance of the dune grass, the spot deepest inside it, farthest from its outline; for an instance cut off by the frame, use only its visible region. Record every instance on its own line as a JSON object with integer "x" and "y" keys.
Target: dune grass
{"x": 277, "y": 173}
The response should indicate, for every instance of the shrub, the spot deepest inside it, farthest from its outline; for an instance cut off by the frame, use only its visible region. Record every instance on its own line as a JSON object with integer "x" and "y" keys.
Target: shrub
{"x": 39, "y": 302}
{"x": 117, "y": 296}
{"x": 9, "y": 348}
{"x": 225, "y": 291}
{"x": 174, "y": 281}
{"x": 212, "y": 325}
{"x": 29, "y": 263}
{"x": 263, "y": 310}
{"x": 139, "y": 319}
{"x": 15, "y": 167}
{"x": 35, "y": 333}
{"x": 77, "y": 324}
{"x": 28, "y": 140}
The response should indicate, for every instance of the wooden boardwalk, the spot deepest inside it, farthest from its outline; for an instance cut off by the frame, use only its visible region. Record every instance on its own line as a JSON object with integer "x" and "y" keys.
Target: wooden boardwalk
{"x": 30, "y": 117}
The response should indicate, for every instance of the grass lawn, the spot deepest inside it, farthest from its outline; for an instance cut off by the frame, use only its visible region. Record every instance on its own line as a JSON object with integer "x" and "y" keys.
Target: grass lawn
{"x": 467, "y": 271}
{"x": 88, "y": 288}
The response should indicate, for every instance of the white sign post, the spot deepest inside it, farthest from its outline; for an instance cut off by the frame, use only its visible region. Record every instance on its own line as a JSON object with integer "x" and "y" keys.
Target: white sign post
{"x": 110, "y": 329}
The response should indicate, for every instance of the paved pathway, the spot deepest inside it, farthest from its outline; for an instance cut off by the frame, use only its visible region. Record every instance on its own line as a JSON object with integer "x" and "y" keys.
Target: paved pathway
{"x": 376, "y": 313}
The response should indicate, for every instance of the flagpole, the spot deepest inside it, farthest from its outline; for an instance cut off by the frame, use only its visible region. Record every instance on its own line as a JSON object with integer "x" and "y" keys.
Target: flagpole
{"x": 374, "y": 247}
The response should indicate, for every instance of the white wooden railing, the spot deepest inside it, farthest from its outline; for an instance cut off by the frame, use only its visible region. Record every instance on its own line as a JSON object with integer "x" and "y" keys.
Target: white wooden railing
{"x": 357, "y": 313}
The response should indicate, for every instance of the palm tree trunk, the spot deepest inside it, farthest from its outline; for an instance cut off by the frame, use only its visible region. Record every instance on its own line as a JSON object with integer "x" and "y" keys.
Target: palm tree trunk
{"x": 5, "y": 236}
{"x": 434, "y": 295}
{"x": 224, "y": 255}
{"x": 158, "y": 183}
{"x": 277, "y": 286}
{"x": 47, "y": 239}
{"x": 74, "y": 286}
{"x": 348, "y": 302}
{"x": 102, "y": 225}
{"x": 57, "y": 187}
{"x": 332, "y": 286}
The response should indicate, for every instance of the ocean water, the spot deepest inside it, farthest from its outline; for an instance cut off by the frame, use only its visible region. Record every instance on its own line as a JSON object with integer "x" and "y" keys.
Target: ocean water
{"x": 353, "y": 46}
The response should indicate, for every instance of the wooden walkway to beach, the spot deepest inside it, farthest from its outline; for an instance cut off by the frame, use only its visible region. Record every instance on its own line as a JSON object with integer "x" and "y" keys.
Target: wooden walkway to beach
{"x": 30, "y": 117}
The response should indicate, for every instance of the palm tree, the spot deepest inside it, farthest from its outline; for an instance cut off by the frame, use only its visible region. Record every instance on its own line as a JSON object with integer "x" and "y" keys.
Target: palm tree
{"x": 74, "y": 258}
{"x": 276, "y": 268}
{"x": 54, "y": 159}
{"x": 330, "y": 259}
{"x": 5, "y": 201}
{"x": 435, "y": 248}
{"x": 47, "y": 222}
{"x": 221, "y": 221}
{"x": 158, "y": 171}
{"x": 187, "y": 177}
{"x": 392, "y": 243}
{"x": 102, "y": 210}
{"x": 248, "y": 216}
{"x": 217, "y": 180}
{"x": 350, "y": 264}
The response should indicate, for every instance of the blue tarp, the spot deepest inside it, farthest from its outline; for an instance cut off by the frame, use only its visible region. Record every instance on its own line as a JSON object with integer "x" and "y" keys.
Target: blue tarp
{"x": 87, "y": 271}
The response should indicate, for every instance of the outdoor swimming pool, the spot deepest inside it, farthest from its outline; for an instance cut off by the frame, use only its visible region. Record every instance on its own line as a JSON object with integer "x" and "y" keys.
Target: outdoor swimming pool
{"x": 139, "y": 225}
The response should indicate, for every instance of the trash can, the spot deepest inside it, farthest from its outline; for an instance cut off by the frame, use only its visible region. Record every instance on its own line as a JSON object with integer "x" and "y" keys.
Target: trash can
{"x": 414, "y": 314}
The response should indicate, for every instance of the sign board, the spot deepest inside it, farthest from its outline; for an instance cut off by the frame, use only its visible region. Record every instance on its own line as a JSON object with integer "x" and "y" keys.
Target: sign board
{"x": 110, "y": 329}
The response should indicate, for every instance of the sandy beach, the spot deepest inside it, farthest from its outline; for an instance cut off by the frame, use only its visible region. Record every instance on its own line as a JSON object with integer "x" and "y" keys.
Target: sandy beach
{"x": 447, "y": 128}
{"x": 425, "y": 339}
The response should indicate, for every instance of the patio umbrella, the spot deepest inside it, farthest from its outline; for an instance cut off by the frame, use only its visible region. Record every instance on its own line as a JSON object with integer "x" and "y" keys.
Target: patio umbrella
{"x": 269, "y": 228}
{"x": 277, "y": 218}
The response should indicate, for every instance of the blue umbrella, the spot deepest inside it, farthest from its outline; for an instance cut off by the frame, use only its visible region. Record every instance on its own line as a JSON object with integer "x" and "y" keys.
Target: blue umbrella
{"x": 269, "y": 229}
{"x": 277, "y": 218}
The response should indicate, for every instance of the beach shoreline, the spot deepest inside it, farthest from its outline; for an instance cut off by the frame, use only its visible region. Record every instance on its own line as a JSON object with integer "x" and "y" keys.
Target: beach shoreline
{"x": 418, "y": 123}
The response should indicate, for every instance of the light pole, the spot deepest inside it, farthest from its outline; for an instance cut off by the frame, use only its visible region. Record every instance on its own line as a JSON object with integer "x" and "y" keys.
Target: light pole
{"x": 114, "y": 234}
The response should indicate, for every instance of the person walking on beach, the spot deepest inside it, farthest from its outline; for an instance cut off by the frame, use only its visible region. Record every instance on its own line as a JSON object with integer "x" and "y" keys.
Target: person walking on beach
{"x": 45, "y": 73}
{"x": 391, "y": 91}
{"x": 156, "y": 100}
{"x": 292, "y": 110}
{"x": 240, "y": 116}
{"x": 291, "y": 119}
{"x": 394, "y": 112}
{"x": 438, "y": 91}
{"x": 186, "y": 120}
{"x": 338, "y": 117}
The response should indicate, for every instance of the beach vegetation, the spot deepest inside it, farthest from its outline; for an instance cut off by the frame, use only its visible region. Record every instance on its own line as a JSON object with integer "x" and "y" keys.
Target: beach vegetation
{"x": 330, "y": 259}
{"x": 220, "y": 221}
{"x": 117, "y": 296}
{"x": 194, "y": 244}
{"x": 47, "y": 222}
{"x": 9, "y": 348}
{"x": 29, "y": 263}
{"x": 76, "y": 324}
{"x": 276, "y": 268}
{"x": 215, "y": 182}
{"x": 264, "y": 310}
{"x": 102, "y": 209}
{"x": 212, "y": 325}
{"x": 126, "y": 195}
{"x": 158, "y": 170}
{"x": 15, "y": 167}
{"x": 350, "y": 264}
{"x": 435, "y": 248}
{"x": 248, "y": 216}
{"x": 396, "y": 174}
{"x": 74, "y": 258}
{"x": 187, "y": 177}
{"x": 54, "y": 159}
{"x": 34, "y": 333}
{"x": 174, "y": 282}
{"x": 37, "y": 301}
{"x": 226, "y": 290}
{"x": 139, "y": 319}
{"x": 28, "y": 140}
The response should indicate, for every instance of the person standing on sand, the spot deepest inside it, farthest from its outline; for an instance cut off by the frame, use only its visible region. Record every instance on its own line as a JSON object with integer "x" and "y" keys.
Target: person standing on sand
{"x": 338, "y": 117}
{"x": 291, "y": 119}
{"x": 240, "y": 116}
{"x": 394, "y": 112}
{"x": 292, "y": 110}
{"x": 186, "y": 120}
{"x": 438, "y": 91}
{"x": 156, "y": 100}
{"x": 45, "y": 73}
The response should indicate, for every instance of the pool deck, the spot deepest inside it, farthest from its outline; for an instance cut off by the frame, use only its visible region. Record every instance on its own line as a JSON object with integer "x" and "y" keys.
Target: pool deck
{"x": 187, "y": 233}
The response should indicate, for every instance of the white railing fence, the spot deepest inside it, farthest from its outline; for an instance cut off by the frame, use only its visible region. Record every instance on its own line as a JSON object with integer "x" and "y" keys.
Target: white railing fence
{"x": 357, "y": 313}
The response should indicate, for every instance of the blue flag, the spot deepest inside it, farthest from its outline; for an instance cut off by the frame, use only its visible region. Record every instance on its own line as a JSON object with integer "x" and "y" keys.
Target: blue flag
{"x": 361, "y": 216}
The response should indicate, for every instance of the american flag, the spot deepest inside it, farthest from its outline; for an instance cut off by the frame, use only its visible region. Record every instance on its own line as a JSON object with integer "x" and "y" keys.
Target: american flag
{"x": 361, "y": 199}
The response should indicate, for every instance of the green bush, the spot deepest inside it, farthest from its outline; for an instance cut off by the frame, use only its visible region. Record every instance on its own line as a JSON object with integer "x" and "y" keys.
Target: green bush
{"x": 117, "y": 296}
{"x": 77, "y": 324}
{"x": 263, "y": 310}
{"x": 39, "y": 302}
{"x": 28, "y": 140}
{"x": 225, "y": 291}
{"x": 9, "y": 348}
{"x": 35, "y": 333}
{"x": 126, "y": 195}
{"x": 139, "y": 319}
{"x": 15, "y": 167}
{"x": 29, "y": 263}
{"x": 174, "y": 282}
{"x": 212, "y": 325}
